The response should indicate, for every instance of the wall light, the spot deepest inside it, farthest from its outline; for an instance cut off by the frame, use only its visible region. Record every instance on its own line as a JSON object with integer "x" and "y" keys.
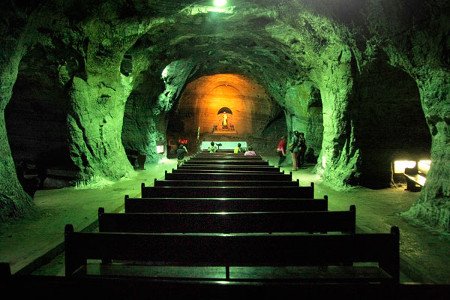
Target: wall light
{"x": 424, "y": 165}
{"x": 220, "y": 3}
{"x": 400, "y": 165}
{"x": 160, "y": 149}
{"x": 324, "y": 161}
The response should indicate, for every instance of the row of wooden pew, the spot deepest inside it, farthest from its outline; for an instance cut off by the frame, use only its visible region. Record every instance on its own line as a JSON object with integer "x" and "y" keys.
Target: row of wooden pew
{"x": 225, "y": 225}
{"x": 234, "y": 220}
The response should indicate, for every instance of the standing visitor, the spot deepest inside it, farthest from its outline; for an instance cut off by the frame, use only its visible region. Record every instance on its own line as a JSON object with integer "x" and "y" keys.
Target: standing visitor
{"x": 213, "y": 148}
{"x": 181, "y": 153}
{"x": 250, "y": 152}
{"x": 294, "y": 148}
{"x": 238, "y": 149}
{"x": 281, "y": 150}
{"x": 302, "y": 150}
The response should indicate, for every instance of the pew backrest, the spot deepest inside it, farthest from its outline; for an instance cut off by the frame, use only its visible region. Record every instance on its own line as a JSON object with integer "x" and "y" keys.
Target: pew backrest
{"x": 225, "y": 162}
{"x": 229, "y": 191}
{"x": 228, "y": 176}
{"x": 232, "y": 250}
{"x": 230, "y": 222}
{"x": 225, "y": 183}
{"x": 226, "y": 168}
{"x": 170, "y": 204}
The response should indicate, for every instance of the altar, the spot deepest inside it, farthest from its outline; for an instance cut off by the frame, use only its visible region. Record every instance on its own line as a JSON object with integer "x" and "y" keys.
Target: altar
{"x": 224, "y": 125}
{"x": 219, "y": 129}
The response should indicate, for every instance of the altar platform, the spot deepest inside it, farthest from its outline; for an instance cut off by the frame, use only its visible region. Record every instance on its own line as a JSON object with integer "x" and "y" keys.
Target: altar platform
{"x": 224, "y": 129}
{"x": 224, "y": 145}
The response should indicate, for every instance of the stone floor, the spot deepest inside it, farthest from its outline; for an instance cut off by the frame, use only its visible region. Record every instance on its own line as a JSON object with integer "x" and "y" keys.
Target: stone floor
{"x": 35, "y": 245}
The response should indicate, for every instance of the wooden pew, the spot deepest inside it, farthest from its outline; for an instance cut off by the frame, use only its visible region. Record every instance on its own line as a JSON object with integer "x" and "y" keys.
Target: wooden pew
{"x": 226, "y": 162}
{"x": 168, "y": 182}
{"x": 219, "y": 153}
{"x": 229, "y": 157}
{"x": 216, "y": 168}
{"x": 148, "y": 205}
{"x": 268, "y": 176}
{"x": 229, "y": 192}
{"x": 311, "y": 257}
{"x": 28, "y": 286}
{"x": 230, "y": 222}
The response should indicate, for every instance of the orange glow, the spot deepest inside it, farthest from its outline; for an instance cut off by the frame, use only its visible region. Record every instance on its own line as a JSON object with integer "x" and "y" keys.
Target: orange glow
{"x": 203, "y": 98}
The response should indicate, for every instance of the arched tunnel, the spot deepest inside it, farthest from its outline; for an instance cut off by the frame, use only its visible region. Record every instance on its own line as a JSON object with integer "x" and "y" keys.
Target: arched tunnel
{"x": 85, "y": 85}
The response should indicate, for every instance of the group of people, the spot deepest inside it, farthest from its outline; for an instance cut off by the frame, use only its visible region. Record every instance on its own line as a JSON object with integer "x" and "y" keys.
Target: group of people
{"x": 297, "y": 148}
{"x": 238, "y": 149}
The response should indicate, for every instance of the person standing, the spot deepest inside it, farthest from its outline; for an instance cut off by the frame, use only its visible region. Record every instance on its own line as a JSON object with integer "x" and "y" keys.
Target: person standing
{"x": 281, "y": 150}
{"x": 302, "y": 149}
{"x": 181, "y": 153}
{"x": 213, "y": 148}
{"x": 250, "y": 152}
{"x": 238, "y": 149}
{"x": 294, "y": 149}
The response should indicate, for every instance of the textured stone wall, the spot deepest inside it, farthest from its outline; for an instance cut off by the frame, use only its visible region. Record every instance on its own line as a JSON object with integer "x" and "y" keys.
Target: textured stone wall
{"x": 202, "y": 100}
{"x": 14, "y": 201}
{"x": 81, "y": 46}
{"x": 416, "y": 41}
{"x": 314, "y": 131}
{"x": 304, "y": 108}
{"x": 389, "y": 123}
{"x": 36, "y": 114}
{"x": 142, "y": 131}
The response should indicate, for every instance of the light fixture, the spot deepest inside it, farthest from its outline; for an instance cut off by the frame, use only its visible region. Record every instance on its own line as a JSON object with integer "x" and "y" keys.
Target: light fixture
{"x": 165, "y": 72}
{"x": 400, "y": 165}
{"x": 424, "y": 165}
{"x": 160, "y": 149}
{"x": 220, "y": 3}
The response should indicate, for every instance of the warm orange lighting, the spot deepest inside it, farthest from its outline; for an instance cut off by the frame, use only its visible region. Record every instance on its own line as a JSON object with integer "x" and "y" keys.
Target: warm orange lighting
{"x": 202, "y": 100}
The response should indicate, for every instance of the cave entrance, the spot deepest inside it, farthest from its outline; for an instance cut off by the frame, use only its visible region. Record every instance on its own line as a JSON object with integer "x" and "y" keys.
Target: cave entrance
{"x": 226, "y": 108}
{"x": 36, "y": 125}
{"x": 304, "y": 108}
{"x": 389, "y": 124}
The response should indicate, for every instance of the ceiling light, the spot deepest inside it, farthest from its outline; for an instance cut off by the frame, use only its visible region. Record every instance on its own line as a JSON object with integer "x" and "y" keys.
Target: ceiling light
{"x": 220, "y": 3}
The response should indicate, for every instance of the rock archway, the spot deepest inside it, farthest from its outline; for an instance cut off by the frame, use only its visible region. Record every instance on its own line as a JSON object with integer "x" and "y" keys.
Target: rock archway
{"x": 124, "y": 65}
{"x": 389, "y": 121}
